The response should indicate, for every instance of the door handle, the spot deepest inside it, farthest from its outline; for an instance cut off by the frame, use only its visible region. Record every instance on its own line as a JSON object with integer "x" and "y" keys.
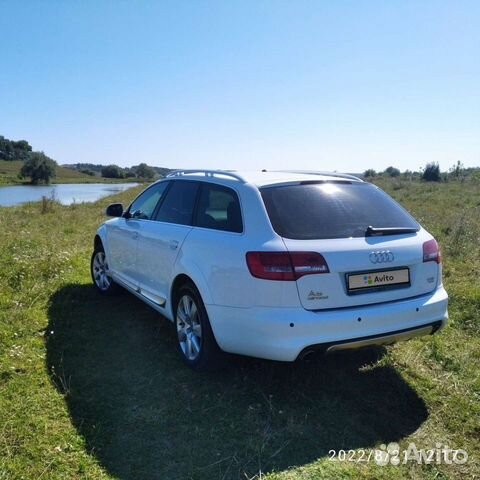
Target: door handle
{"x": 135, "y": 235}
{"x": 173, "y": 244}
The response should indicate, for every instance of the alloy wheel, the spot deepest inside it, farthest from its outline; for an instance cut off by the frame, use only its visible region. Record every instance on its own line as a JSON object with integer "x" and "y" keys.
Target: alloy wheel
{"x": 100, "y": 271}
{"x": 189, "y": 328}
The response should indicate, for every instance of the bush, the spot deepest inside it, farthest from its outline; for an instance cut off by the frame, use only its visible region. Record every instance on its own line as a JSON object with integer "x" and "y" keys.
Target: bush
{"x": 39, "y": 168}
{"x": 112, "y": 171}
{"x": 431, "y": 172}
{"x": 392, "y": 172}
{"x": 144, "y": 171}
{"x": 370, "y": 173}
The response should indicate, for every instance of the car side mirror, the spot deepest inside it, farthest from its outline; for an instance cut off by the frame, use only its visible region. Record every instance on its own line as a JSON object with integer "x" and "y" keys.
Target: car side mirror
{"x": 114, "y": 210}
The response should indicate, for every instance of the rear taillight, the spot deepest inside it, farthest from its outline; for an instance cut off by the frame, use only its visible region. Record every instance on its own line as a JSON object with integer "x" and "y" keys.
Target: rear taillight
{"x": 431, "y": 252}
{"x": 287, "y": 266}
{"x": 308, "y": 263}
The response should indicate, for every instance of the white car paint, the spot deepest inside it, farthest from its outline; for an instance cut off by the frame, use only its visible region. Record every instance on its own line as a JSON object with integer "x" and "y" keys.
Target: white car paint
{"x": 272, "y": 319}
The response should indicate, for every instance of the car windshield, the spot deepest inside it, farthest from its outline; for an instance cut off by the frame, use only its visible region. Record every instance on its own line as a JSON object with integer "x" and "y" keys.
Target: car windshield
{"x": 336, "y": 209}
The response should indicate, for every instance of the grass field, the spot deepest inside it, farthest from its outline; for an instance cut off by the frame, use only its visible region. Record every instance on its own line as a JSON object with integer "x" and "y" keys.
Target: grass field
{"x": 91, "y": 387}
{"x": 9, "y": 175}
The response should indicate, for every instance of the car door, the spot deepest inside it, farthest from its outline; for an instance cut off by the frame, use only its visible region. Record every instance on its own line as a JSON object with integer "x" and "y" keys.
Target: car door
{"x": 160, "y": 240}
{"x": 122, "y": 235}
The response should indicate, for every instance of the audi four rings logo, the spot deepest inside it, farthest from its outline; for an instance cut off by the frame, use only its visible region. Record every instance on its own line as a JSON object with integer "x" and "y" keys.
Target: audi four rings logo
{"x": 382, "y": 256}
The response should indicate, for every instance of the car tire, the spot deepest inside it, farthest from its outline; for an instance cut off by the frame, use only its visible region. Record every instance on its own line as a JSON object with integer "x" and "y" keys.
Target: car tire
{"x": 100, "y": 275}
{"x": 195, "y": 340}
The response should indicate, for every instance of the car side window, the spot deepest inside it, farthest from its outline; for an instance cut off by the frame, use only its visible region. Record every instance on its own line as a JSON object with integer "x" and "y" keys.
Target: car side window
{"x": 179, "y": 203}
{"x": 219, "y": 209}
{"x": 143, "y": 206}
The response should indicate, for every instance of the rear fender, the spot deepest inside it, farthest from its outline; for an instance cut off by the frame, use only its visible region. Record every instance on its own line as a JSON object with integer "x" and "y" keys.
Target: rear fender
{"x": 196, "y": 276}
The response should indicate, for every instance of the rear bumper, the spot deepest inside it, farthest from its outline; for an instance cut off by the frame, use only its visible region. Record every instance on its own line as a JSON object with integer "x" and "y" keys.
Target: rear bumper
{"x": 380, "y": 339}
{"x": 288, "y": 333}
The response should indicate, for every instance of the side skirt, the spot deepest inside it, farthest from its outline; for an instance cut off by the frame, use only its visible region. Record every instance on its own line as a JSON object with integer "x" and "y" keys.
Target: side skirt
{"x": 137, "y": 292}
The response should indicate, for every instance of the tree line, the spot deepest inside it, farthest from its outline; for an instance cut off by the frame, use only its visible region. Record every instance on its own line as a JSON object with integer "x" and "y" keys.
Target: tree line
{"x": 41, "y": 168}
{"x": 141, "y": 171}
{"x": 430, "y": 173}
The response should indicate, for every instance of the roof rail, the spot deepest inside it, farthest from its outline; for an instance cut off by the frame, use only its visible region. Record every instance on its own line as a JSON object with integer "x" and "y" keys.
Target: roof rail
{"x": 208, "y": 173}
{"x": 328, "y": 174}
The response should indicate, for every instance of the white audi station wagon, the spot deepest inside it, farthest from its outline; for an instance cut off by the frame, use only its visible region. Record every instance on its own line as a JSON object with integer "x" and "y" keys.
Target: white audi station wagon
{"x": 273, "y": 264}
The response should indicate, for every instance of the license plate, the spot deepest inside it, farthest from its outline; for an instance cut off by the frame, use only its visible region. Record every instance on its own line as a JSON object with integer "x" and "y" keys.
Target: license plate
{"x": 378, "y": 280}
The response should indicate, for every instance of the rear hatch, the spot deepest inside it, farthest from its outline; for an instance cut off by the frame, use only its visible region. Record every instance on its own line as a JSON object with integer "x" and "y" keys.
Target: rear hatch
{"x": 365, "y": 265}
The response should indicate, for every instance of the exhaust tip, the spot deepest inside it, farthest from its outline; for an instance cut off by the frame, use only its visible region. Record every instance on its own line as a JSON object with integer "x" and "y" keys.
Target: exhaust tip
{"x": 307, "y": 354}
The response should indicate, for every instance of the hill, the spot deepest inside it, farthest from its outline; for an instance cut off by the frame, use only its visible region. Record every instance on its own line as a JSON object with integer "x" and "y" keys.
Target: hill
{"x": 15, "y": 153}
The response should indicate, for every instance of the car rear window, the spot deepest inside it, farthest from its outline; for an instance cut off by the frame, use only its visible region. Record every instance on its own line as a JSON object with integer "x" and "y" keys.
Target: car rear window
{"x": 331, "y": 210}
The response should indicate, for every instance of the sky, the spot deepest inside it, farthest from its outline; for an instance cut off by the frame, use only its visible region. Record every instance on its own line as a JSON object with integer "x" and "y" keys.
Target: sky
{"x": 338, "y": 85}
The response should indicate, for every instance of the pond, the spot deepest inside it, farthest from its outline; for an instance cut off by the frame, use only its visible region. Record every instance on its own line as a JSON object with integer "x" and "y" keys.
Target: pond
{"x": 66, "y": 194}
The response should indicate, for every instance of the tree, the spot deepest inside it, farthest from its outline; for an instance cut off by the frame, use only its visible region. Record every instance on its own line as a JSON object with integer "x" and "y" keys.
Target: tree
{"x": 370, "y": 173}
{"x": 14, "y": 150}
{"x": 144, "y": 171}
{"x": 22, "y": 150}
{"x": 39, "y": 168}
{"x": 431, "y": 172}
{"x": 112, "y": 171}
{"x": 392, "y": 172}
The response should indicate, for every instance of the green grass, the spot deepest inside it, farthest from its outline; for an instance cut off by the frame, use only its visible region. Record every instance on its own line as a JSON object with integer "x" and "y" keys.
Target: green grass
{"x": 9, "y": 175}
{"x": 92, "y": 387}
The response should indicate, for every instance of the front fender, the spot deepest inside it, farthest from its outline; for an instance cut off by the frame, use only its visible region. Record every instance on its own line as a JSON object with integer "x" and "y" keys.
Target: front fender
{"x": 102, "y": 234}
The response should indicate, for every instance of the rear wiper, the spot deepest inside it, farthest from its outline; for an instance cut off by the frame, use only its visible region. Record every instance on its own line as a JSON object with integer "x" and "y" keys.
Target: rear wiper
{"x": 377, "y": 231}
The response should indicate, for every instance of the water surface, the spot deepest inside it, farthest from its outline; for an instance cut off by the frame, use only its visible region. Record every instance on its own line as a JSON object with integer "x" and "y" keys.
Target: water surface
{"x": 65, "y": 193}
